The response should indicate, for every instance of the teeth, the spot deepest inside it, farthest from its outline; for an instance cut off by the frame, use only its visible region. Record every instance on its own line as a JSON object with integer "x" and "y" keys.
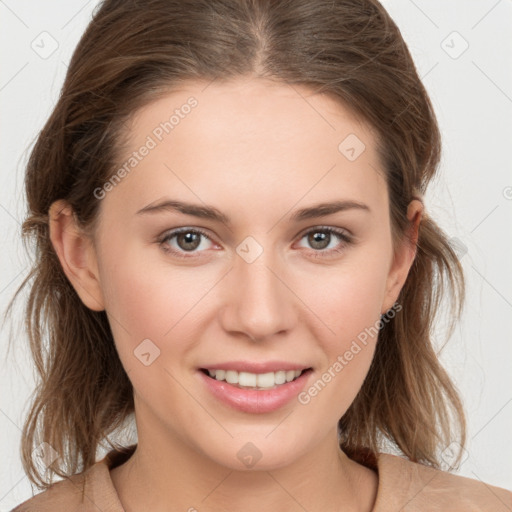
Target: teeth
{"x": 255, "y": 380}
{"x": 266, "y": 380}
{"x": 231, "y": 377}
{"x": 280, "y": 377}
{"x": 248, "y": 379}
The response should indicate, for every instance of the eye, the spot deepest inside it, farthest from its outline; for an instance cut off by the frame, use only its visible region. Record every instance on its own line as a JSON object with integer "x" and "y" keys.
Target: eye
{"x": 184, "y": 240}
{"x": 323, "y": 240}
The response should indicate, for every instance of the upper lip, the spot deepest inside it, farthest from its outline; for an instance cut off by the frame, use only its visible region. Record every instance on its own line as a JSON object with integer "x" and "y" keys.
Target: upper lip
{"x": 256, "y": 367}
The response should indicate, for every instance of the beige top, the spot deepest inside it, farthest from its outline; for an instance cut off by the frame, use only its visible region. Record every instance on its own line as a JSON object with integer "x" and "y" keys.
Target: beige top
{"x": 404, "y": 486}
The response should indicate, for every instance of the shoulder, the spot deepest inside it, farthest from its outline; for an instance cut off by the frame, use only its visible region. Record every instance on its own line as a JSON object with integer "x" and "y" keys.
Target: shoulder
{"x": 63, "y": 495}
{"x": 89, "y": 491}
{"x": 409, "y": 486}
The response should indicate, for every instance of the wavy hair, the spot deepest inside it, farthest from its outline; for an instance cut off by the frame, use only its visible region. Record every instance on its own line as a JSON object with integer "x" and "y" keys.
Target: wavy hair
{"x": 134, "y": 52}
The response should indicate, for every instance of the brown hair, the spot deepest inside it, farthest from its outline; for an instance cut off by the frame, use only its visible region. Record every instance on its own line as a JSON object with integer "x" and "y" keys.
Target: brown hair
{"x": 133, "y": 52}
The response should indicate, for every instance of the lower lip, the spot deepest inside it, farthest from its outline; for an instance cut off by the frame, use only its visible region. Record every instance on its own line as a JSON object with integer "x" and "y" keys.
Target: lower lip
{"x": 255, "y": 401}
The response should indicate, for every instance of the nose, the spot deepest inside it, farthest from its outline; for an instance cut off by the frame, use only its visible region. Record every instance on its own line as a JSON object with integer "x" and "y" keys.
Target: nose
{"x": 259, "y": 302}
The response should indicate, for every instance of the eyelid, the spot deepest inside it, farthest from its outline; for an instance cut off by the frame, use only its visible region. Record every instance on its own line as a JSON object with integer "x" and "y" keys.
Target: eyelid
{"x": 336, "y": 230}
{"x": 346, "y": 239}
{"x": 171, "y": 233}
{"x": 345, "y": 236}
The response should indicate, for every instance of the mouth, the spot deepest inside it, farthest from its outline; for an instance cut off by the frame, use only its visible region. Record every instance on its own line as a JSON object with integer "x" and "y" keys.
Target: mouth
{"x": 266, "y": 388}
{"x": 255, "y": 381}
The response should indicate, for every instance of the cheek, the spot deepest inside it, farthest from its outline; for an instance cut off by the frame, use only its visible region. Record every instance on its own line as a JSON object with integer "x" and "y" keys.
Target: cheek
{"x": 349, "y": 299}
{"x": 351, "y": 308}
{"x": 349, "y": 302}
{"x": 154, "y": 302}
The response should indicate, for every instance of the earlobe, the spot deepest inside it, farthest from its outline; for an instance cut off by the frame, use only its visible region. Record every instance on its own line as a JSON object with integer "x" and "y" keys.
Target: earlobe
{"x": 76, "y": 254}
{"x": 404, "y": 256}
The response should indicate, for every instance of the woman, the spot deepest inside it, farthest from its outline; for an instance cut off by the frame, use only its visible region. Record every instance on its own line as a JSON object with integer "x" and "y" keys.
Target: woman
{"x": 232, "y": 245}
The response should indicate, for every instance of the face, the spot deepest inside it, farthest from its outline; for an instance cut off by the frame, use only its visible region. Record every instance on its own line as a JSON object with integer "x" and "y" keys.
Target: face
{"x": 255, "y": 281}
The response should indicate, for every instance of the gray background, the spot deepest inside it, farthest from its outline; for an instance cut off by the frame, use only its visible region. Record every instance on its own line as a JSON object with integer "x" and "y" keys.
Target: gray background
{"x": 471, "y": 89}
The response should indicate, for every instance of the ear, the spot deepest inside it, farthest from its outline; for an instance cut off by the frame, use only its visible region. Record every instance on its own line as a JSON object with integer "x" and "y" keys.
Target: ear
{"x": 76, "y": 254}
{"x": 404, "y": 256}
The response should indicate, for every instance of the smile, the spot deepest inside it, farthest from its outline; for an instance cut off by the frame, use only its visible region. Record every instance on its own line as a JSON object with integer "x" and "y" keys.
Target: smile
{"x": 248, "y": 380}
{"x": 254, "y": 393}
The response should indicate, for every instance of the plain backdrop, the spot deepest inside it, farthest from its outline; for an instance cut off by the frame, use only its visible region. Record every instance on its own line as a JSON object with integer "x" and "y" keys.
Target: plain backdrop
{"x": 463, "y": 52}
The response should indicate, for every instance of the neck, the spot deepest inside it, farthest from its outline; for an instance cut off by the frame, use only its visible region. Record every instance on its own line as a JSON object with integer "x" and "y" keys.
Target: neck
{"x": 165, "y": 474}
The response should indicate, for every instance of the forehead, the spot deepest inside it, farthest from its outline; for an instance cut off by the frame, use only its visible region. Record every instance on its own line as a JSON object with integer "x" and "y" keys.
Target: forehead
{"x": 263, "y": 142}
{"x": 245, "y": 112}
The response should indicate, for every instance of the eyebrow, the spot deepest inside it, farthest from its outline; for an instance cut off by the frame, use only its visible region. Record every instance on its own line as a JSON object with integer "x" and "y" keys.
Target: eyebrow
{"x": 212, "y": 213}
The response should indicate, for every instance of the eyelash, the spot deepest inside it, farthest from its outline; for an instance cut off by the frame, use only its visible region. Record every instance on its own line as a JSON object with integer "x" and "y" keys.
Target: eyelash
{"x": 322, "y": 253}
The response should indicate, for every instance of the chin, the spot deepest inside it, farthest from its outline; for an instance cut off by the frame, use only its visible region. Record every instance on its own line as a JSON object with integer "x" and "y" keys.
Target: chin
{"x": 256, "y": 452}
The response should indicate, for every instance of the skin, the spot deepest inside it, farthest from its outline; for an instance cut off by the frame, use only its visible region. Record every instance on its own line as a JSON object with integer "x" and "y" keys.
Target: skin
{"x": 257, "y": 151}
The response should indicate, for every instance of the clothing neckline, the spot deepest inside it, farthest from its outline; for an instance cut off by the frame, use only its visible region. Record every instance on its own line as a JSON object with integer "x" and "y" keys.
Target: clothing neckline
{"x": 402, "y": 485}
{"x": 118, "y": 456}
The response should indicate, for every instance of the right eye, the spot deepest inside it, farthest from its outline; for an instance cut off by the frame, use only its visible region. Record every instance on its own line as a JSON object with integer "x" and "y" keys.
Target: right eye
{"x": 181, "y": 241}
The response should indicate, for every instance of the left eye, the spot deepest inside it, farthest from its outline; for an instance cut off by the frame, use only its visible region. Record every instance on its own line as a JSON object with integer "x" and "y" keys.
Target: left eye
{"x": 320, "y": 239}
{"x": 186, "y": 240}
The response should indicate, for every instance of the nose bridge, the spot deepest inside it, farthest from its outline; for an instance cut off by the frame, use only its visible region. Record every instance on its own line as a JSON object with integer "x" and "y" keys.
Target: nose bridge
{"x": 260, "y": 303}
